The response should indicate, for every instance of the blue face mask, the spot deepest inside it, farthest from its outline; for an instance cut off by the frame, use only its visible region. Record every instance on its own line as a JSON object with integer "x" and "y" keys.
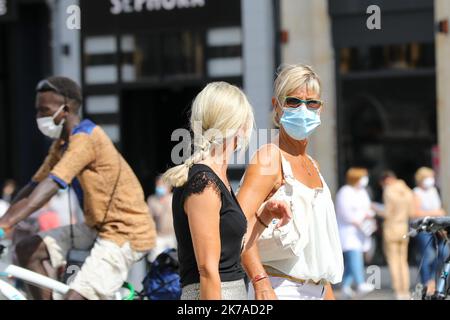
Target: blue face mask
{"x": 300, "y": 122}
{"x": 160, "y": 191}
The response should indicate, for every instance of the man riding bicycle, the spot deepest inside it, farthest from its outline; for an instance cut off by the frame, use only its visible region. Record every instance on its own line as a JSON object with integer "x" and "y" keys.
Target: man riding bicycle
{"x": 118, "y": 229}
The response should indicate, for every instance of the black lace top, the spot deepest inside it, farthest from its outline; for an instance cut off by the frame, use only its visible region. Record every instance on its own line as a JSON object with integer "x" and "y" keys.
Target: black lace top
{"x": 233, "y": 226}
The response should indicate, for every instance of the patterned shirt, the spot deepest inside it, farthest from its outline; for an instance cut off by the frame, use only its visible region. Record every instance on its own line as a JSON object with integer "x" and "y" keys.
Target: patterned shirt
{"x": 91, "y": 161}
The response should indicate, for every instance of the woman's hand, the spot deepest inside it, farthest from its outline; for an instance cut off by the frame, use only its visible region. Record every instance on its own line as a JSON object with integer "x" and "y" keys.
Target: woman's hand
{"x": 7, "y": 230}
{"x": 276, "y": 209}
{"x": 264, "y": 291}
{"x": 5, "y": 226}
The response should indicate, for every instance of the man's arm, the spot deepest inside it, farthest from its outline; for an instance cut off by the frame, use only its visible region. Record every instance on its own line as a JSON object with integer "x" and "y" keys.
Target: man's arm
{"x": 24, "y": 192}
{"x": 43, "y": 172}
{"x": 23, "y": 208}
{"x": 53, "y": 175}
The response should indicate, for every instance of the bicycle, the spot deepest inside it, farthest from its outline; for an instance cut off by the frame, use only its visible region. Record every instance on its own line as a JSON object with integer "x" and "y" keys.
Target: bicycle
{"x": 10, "y": 271}
{"x": 433, "y": 225}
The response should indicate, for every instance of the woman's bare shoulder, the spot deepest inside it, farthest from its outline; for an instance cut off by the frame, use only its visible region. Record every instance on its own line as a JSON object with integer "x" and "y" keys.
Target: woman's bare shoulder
{"x": 267, "y": 154}
{"x": 315, "y": 162}
{"x": 265, "y": 163}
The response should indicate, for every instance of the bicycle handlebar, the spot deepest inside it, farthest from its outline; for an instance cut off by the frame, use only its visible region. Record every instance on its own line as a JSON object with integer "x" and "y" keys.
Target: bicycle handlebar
{"x": 428, "y": 224}
{"x": 2, "y": 247}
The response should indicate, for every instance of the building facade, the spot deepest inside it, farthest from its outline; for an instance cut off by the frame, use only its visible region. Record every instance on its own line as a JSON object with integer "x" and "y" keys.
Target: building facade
{"x": 384, "y": 89}
{"x": 25, "y": 58}
{"x": 142, "y": 62}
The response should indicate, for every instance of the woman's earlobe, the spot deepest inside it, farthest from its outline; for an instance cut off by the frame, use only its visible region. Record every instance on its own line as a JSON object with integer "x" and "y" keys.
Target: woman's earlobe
{"x": 274, "y": 103}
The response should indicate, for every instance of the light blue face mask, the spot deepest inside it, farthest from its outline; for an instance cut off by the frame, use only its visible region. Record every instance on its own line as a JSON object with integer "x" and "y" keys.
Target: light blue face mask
{"x": 160, "y": 191}
{"x": 300, "y": 122}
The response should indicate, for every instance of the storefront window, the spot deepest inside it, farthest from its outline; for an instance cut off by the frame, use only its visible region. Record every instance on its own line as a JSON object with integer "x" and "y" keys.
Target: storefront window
{"x": 140, "y": 59}
{"x": 170, "y": 55}
{"x": 100, "y": 60}
{"x": 183, "y": 54}
{"x": 388, "y": 57}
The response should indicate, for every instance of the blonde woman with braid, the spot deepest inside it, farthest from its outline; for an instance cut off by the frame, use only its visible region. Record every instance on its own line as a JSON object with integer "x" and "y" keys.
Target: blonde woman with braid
{"x": 210, "y": 226}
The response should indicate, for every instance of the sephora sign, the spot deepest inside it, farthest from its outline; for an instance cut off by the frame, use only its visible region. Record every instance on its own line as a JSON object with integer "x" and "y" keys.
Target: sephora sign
{"x": 130, "y": 6}
{"x": 120, "y": 16}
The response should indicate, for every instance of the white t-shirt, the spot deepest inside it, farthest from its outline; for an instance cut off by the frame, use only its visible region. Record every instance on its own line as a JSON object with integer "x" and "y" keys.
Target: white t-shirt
{"x": 352, "y": 206}
{"x": 429, "y": 198}
{"x": 3, "y": 207}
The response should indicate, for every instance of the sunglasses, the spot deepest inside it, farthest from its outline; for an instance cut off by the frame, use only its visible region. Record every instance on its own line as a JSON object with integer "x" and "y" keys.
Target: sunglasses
{"x": 293, "y": 102}
{"x": 46, "y": 85}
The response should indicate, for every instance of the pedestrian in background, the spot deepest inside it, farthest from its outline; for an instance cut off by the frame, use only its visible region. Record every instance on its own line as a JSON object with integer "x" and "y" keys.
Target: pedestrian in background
{"x": 48, "y": 219}
{"x": 428, "y": 203}
{"x": 356, "y": 225}
{"x": 398, "y": 209}
{"x": 160, "y": 205}
{"x": 3, "y": 207}
{"x": 60, "y": 204}
{"x": 9, "y": 190}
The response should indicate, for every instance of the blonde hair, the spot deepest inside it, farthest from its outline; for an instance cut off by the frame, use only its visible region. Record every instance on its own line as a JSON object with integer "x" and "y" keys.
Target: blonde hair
{"x": 218, "y": 112}
{"x": 423, "y": 173}
{"x": 290, "y": 78}
{"x": 355, "y": 174}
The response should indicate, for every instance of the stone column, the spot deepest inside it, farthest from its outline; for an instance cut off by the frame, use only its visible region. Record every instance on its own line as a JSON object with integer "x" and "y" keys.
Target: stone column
{"x": 442, "y": 11}
{"x": 65, "y": 63}
{"x": 258, "y": 57}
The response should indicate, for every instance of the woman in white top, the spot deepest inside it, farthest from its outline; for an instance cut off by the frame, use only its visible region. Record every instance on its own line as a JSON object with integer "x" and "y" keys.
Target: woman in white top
{"x": 3, "y": 207}
{"x": 428, "y": 203}
{"x": 356, "y": 224}
{"x": 286, "y": 172}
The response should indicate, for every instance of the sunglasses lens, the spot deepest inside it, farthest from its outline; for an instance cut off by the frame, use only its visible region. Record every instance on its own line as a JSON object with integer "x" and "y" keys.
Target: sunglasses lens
{"x": 292, "y": 102}
{"x": 314, "y": 104}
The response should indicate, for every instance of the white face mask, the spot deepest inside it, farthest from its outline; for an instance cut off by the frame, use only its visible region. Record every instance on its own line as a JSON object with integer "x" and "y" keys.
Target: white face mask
{"x": 48, "y": 127}
{"x": 428, "y": 183}
{"x": 363, "y": 182}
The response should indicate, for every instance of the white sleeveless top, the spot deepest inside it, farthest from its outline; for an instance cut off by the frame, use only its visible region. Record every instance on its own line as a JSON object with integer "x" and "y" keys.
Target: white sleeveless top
{"x": 429, "y": 198}
{"x": 321, "y": 257}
